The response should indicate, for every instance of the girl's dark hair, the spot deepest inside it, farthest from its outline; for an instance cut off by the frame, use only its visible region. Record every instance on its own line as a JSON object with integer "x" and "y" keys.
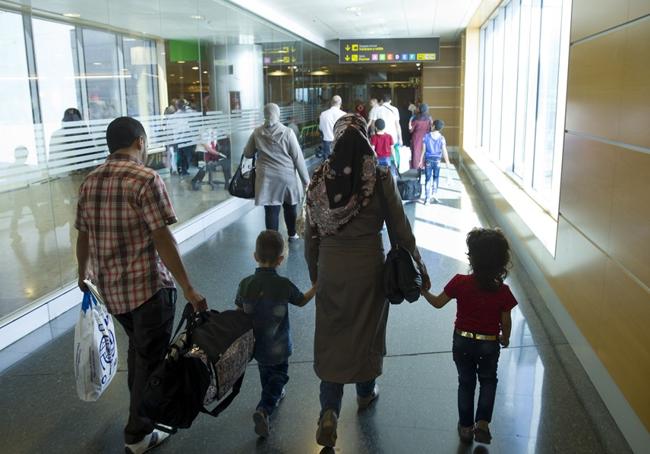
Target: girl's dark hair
{"x": 489, "y": 257}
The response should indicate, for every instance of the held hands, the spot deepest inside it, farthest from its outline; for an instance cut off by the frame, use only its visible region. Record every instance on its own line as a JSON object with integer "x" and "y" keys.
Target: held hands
{"x": 504, "y": 341}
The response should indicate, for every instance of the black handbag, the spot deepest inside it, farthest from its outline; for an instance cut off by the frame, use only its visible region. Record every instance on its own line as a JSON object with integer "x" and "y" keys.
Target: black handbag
{"x": 402, "y": 276}
{"x": 242, "y": 184}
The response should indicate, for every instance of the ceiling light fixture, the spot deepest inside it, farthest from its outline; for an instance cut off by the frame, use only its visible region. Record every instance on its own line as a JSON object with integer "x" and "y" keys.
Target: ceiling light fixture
{"x": 353, "y": 9}
{"x": 205, "y": 72}
{"x": 196, "y": 17}
{"x": 72, "y": 15}
{"x": 180, "y": 62}
{"x": 195, "y": 68}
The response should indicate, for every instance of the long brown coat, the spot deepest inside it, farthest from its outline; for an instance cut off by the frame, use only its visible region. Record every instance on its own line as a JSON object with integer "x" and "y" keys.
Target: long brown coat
{"x": 351, "y": 306}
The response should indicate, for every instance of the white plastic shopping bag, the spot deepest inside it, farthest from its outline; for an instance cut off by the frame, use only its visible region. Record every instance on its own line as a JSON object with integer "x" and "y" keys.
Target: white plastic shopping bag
{"x": 95, "y": 348}
{"x": 404, "y": 159}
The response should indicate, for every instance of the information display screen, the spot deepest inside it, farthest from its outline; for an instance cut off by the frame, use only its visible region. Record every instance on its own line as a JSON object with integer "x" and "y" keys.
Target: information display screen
{"x": 398, "y": 50}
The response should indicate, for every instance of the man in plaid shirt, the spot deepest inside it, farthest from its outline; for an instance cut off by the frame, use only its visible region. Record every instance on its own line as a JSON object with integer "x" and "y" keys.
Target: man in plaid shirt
{"x": 126, "y": 247}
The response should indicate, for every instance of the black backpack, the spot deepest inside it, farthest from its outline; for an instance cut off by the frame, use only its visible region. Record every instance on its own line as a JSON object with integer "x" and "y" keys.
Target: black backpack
{"x": 203, "y": 365}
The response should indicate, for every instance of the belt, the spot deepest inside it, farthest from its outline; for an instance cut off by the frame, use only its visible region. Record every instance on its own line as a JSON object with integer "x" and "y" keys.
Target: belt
{"x": 481, "y": 337}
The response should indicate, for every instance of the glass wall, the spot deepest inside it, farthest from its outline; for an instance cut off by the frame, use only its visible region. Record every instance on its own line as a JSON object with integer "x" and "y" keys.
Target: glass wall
{"x": 196, "y": 73}
{"x": 523, "y": 55}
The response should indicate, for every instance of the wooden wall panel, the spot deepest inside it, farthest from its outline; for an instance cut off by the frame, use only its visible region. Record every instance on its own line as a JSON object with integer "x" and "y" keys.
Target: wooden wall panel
{"x": 630, "y": 217}
{"x": 595, "y": 86}
{"x": 440, "y": 76}
{"x": 587, "y": 184}
{"x": 635, "y": 93}
{"x": 443, "y": 97}
{"x": 448, "y": 115}
{"x": 623, "y": 348}
{"x": 589, "y": 19}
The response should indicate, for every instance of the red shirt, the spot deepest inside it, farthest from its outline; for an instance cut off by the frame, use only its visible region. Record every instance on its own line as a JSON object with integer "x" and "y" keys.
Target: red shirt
{"x": 382, "y": 144}
{"x": 120, "y": 204}
{"x": 478, "y": 310}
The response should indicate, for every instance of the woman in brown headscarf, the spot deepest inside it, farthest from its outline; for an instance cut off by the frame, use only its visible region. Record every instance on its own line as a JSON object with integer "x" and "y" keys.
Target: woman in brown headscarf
{"x": 345, "y": 255}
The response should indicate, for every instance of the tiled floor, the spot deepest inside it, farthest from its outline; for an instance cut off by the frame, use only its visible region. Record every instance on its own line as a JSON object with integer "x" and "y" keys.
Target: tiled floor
{"x": 540, "y": 405}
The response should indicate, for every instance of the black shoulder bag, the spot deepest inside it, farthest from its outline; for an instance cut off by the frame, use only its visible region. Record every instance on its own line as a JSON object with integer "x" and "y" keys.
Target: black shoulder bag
{"x": 242, "y": 184}
{"x": 402, "y": 277}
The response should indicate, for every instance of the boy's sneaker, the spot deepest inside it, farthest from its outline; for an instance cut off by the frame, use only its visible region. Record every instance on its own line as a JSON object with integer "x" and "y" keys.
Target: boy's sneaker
{"x": 466, "y": 434}
{"x": 293, "y": 238}
{"x": 364, "y": 402}
{"x": 326, "y": 433}
{"x": 147, "y": 443}
{"x": 261, "y": 420}
{"x": 482, "y": 435}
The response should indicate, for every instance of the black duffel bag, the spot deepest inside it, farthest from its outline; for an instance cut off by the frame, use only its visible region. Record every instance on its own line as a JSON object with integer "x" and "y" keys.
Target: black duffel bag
{"x": 242, "y": 184}
{"x": 203, "y": 365}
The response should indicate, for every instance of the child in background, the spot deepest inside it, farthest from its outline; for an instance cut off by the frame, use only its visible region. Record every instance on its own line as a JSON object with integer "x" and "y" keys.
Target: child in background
{"x": 482, "y": 323}
{"x": 435, "y": 148}
{"x": 382, "y": 143}
{"x": 265, "y": 296}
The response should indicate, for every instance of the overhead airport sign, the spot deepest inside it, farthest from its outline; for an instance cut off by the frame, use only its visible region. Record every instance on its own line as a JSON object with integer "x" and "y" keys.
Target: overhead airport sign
{"x": 406, "y": 50}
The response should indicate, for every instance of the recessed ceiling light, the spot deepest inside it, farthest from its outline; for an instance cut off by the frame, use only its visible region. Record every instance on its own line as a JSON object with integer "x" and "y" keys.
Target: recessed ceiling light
{"x": 181, "y": 61}
{"x": 97, "y": 63}
{"x": 181, "y": 77}
{"x": 205, "y": 72}
{"x": 72, "y": 15}
{"x": 196, "y": 17}
{"x": 195, "y": 68}
{"x": 353, "y": 9}
{"x": 393, "y": 66}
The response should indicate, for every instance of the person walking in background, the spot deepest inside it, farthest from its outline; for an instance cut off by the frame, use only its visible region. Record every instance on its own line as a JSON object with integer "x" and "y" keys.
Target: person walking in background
{"x": 326, "y": 124}
{"x": 126, "y": 248}
{"x": 182, "y": 135}
{"x": 345, "y": 255}
{"x": 389, "y": 113}
{"x": 266, "y": 296}
{"x": 435, "y": 148}
{"x": 278, "y": 158}
{"x": 483, "y": 321}
{"x": 382, "y": 144}
{"x": 293, "y": 125}
{"x": 420, "y": 125}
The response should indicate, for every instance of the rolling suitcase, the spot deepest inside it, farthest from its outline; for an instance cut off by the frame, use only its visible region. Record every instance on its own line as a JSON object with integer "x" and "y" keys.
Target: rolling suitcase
{"x": 409, "y": 186}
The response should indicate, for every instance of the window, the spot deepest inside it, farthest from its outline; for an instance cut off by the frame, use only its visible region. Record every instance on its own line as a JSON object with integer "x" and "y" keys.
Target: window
{"x": 55, "y": 50}
{"x": 16, "y": 118}
{"x": 140, "y": 77}
{"x": 522, "y": 69}
{"x": 101, "y": 74}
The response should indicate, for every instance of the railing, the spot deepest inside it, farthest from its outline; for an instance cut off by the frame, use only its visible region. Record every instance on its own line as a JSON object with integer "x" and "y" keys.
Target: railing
{"x": 80, "y": 145}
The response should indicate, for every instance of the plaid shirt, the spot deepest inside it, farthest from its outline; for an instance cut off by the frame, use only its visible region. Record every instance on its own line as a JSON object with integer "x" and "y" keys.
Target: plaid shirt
{"x": 120, "y": 204}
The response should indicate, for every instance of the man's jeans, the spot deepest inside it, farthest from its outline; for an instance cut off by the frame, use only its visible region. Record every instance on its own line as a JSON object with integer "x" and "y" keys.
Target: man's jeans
{"x": 327, "y": 149}
{"x": 273, "y": 379}
{"x": 331, "y": 394}
{"x": 431, "y": 177}
{"x": 149, "y": 328}
{"x": 475, "y": 357}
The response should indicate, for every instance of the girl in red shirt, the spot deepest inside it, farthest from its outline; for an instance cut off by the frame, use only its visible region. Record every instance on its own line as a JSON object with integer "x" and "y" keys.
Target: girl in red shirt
{"x": 482, "y": 323}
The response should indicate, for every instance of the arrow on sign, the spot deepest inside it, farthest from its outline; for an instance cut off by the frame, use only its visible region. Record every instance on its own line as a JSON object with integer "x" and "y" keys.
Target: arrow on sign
{"x": 347, "y": 58}
{"x": 347, "y": 47}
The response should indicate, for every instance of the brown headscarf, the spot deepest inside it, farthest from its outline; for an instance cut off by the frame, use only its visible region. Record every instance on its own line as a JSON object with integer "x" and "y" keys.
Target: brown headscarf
{"x": 344, "y": 183}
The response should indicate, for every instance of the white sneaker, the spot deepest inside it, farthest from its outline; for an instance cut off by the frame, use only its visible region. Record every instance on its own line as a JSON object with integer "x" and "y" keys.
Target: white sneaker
{"x": 326, "y": 433}
{"x": 282, "y": 396}
{"x": 364, "y": 402}
{"x": 147, "y": 443}
{"x": 293, "y": 238}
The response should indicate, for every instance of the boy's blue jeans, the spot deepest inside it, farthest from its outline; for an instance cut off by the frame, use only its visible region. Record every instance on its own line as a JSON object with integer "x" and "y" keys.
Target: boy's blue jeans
{"x": 431, "y": 177}
{"x": 475, "y": 358}
{"x": 273, "y": 379}
{"x": 331, "y": 394}
{"x": 388, "y": 162}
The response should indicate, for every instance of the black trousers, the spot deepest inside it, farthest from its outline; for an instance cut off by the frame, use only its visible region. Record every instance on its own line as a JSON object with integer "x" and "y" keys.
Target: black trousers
{"x": 185, "y": 158}
{"x": 149, "y": 328}
{"x": 272, "y": 217}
